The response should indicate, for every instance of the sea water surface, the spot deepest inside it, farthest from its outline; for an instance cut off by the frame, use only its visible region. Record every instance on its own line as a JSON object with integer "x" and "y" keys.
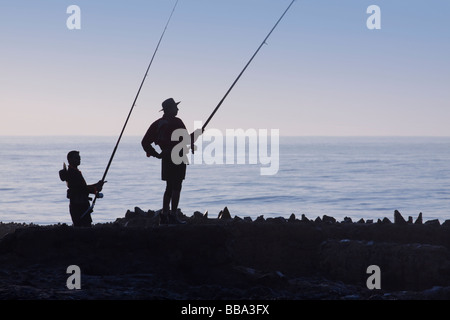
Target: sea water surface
{"x": 356, "y": 177}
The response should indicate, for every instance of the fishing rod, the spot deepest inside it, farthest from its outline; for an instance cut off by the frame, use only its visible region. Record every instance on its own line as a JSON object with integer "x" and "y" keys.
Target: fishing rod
{"x": 131, "y": 110}
{"x": 243, "y": 70}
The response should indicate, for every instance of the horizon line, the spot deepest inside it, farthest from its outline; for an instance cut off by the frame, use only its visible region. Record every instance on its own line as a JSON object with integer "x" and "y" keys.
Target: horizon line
{"x": 285, "y": 136}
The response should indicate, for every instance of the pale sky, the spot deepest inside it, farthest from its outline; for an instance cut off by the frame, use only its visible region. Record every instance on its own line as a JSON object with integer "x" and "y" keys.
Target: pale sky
{"x": 322, "y": 73}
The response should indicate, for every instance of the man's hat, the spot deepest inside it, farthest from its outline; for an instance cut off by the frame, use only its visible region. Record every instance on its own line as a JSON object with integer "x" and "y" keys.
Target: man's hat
{"x": 169, "y": 104}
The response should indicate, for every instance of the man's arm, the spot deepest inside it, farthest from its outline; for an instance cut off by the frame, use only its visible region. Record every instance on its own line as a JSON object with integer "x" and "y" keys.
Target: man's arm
{"x": 149, "y": 138}
{"x": 94, "y": 188}
{"x": 78, "y": 185}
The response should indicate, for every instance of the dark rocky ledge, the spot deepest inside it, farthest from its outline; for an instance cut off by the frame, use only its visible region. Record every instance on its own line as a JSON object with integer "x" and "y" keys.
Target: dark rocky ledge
{"x": 228, "y": 258}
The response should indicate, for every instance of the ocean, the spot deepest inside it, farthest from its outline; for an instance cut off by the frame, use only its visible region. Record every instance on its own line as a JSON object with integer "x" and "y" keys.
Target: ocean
{"x": 356, "y": 177}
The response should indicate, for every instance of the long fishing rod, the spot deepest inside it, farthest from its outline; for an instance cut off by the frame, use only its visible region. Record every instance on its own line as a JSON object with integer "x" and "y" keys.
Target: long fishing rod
{"x": 248, "y": 63}
{"x": 131, "y": 110}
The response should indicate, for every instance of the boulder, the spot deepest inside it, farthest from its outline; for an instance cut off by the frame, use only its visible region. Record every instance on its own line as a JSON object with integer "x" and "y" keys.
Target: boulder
{"x": 398, "y": 218}
{"x": 419, "y": 219}
{"x": 224, "y": 214}
{"x": 328, "y": 219}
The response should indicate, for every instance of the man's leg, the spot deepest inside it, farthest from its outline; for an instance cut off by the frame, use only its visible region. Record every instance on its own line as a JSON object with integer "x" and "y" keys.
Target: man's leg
{"x": 75, "y": 215}
{"x": 167, "y": 197}
{"x": 176, "y": 191}
{"x": 164, "y": 216}
{"x": 76, "y": 211}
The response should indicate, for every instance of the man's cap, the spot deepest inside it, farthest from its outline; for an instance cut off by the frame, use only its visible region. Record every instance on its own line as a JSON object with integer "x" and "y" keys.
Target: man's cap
{"x": 169, "y": 104}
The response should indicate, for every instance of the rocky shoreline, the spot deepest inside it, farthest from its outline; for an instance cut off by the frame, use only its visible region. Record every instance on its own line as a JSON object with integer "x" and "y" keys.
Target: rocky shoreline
{"x": 227, "y": 258}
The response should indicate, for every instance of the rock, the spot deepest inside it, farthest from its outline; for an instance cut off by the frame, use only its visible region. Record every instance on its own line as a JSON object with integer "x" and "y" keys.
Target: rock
{"x": 291, "y": 218}
{"x": 318, "y": 220}
{"x": 348, "y": 261}
{"x": 361, "y": 220}
{"x": 179, "y": 214}
{"x": 386, "y": 221}
{"x": 328, "y": 219}
{"x": 347, "y": 220}
{"x": 198, "y": 215}
{"x": 279, "y": 220}
{"x": 224, "y": 214}
{"x": 419, "y": 219}
{"x": 139, "y": 218}
{"x": 260, "y": 219}
{"x": 139, "y": 211}
{"x": 398, "y": 218}
{"x": 304, "y": 218}
{"x": 198, "y": 260}
{"x": 446, "y": 223}
{"x": 129, "y": 214}
{"x": 434, "y": 222}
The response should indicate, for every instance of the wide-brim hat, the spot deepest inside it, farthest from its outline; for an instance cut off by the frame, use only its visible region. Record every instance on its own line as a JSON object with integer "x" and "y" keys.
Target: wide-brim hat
{"x": 169, "y": 104}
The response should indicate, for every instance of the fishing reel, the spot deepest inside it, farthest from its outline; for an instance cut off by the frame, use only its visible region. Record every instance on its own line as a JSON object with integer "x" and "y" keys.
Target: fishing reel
{"x": 98, "y": 195}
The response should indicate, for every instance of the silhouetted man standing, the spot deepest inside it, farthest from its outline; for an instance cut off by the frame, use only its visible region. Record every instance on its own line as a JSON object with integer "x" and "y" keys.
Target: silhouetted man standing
{"x": 78, "y": 191}
{"x": 160, "y": 133}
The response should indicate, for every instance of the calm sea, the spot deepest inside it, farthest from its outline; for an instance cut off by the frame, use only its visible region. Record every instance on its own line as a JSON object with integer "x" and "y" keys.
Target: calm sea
{"x": 357, "y": 177}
